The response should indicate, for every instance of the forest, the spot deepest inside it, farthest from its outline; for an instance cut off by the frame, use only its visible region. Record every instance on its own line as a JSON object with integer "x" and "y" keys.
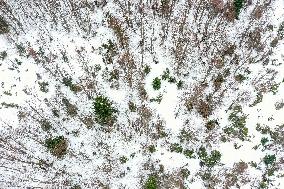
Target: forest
{"x": 142, "y": 94}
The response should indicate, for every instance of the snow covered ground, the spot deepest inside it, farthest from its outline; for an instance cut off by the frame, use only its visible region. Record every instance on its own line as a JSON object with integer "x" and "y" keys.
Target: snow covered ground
{"x": 197, "y": 93}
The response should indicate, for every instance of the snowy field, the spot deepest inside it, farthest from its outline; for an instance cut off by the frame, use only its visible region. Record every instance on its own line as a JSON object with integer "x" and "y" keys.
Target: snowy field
{"x": 150, "y": 94}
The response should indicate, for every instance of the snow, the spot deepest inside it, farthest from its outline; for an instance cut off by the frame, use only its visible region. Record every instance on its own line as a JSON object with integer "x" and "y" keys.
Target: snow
{"x": 93, "y": 157}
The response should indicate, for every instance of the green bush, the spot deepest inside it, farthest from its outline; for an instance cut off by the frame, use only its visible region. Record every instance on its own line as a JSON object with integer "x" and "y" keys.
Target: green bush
{"x": 9, "y": 105}
{"x": 238, "y": 121}
{"x": 123, "y": 159}
{"x": 152, "y": 149}
{"x": 64, "y": 56}
{"x": 110, "y": 47}
{"x": 189, "y": 153}
{"x": 259, "y": 97}
{"x": 274, "y": 88}
{"x": 21, "y": 49}
{"x": 271, "y": 171}
{"x": 240, "y": 78}
{"x": 185, "y": 173}
{"x": 186, "y": 135}
{"x": 147, "y": 69}
{"x": 7, "y": 93}
{"x": 238, "y": 127}
{"x": 263, "y": 185}
{"x": 209, "y": 160}
{"x": 55, "y": 112}
{"x": 157, "y": 99}
{"x": 172, "y": 79}
{"x": 4, "y": 27}
{"x": 45, "y": 125}
{"x": 103, "y": 109}
{"x": 263, "y": 129}
{"x": 166, "y": 74}
{"x": 57, "y": 146}
{"x": 165, "y": 2}
{"x": 280, "y": 32}
{"x": 3, "y": 55}
{"x": 114, "y": 75}
{"x": 132, "y": 107}
{"x": 151, "y": 183}
{"x": 202, "y": 154}
{"x": 76, "y": 186}
{"x": 179, "y": 84}
{"x": 269, "y": 159}
{"x": 238, "y": 4}
{"x": 111, "y": 51}
{"x": 18, "y": 62}
{"x": 67, "y": 81}
{"x": 218, "y": 81}
{"x": 43, "y": 86}
{"x": 210, "y": 125}
{"x": 213, "y": 159}
{"x": 52, "y": 142}
{"x": 176, "y": 148}
{"x": 264, "y": 141}
{"x": 156, "y": 83}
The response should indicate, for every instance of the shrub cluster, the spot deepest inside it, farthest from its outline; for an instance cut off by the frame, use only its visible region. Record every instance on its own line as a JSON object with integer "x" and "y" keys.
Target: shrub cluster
{"x": 3, "y": 55}
{"x": 156, "y": 83}
{"x": 57, "y": 146}
{"x": 238, "y": 127}
{"x": 269, "y": 159}
{"x": 151, "y": 183}
{"x": 4, "y": 27}
{"x": 238, "y": 4}
{"x": 209, "y": 160}
{"x": 103, "y": 109}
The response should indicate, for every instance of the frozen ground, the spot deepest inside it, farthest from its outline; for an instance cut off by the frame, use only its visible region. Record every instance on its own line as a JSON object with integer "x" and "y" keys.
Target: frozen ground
{"x": 214, "y": 121}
